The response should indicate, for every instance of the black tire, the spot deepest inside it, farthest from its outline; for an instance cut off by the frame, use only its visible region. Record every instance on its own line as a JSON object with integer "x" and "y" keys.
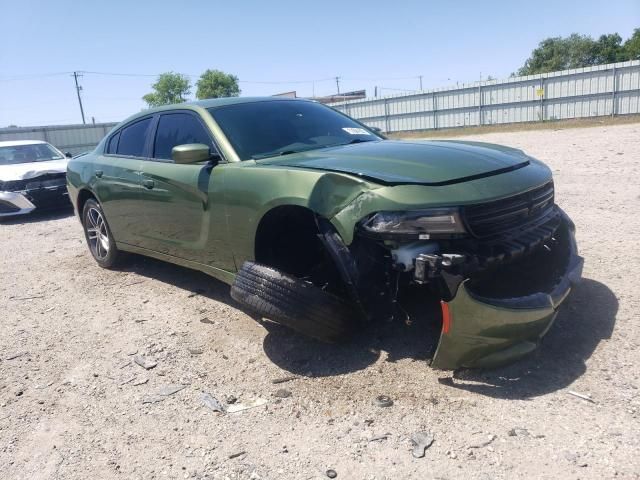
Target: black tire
{"x": 294, "y": 303}
{"x": 104, "y": 252}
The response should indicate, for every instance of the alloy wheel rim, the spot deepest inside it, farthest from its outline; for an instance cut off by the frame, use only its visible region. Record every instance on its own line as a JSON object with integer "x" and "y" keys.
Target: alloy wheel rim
{"x": 97, "y": 234}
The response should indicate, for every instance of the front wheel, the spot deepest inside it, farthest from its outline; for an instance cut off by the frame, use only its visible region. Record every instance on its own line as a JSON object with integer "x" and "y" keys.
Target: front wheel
{"x": 99, "y": 238}
{"x": 294, "y": 303}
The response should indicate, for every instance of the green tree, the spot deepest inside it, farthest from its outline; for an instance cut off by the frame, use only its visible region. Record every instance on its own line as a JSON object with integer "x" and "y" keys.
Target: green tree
{"x": 608, "y": 49}
{"x": 170, "y": 88}
{"x": 557, "y": 53}
{"x": 216, "y": 84}
{"x": 631, "y": 47}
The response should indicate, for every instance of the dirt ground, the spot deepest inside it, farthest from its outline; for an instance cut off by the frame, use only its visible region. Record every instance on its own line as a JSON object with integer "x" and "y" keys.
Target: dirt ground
{"x": 75, "y": 405}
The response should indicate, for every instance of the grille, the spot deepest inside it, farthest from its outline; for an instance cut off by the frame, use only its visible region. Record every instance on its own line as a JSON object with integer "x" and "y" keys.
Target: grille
{"x": 491, "y": 218}
{"x": 47, "y": 180}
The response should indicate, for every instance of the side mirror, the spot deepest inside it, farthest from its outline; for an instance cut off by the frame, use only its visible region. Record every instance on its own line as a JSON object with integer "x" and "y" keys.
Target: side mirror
{"x": 190, "y": 153}
{"x": 68, "y": 155}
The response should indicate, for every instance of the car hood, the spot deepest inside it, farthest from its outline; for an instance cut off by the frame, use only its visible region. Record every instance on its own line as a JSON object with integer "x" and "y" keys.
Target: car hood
{"x": 400, "y": 163}
{"x": 25, "y": 171}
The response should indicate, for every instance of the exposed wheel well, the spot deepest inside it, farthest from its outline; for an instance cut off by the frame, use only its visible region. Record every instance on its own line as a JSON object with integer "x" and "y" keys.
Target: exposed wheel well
{"x": 287, "y": 239}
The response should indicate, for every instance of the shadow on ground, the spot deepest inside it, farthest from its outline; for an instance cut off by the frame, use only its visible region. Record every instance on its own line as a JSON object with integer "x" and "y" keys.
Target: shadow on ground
{"x": 587, "y": 317}
{"x": 399, "y": 338}
{"x": 38, "y": 216}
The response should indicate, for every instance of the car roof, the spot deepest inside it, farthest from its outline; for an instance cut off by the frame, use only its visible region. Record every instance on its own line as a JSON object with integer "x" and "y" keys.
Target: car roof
{"x": 205, "y": 104}
{"x": 15, "y": 143}
{"x": 221, "y": 102}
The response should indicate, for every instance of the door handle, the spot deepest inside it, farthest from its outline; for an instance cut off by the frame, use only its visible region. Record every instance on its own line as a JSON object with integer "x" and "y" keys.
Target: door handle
{"x": 99, "y": 173}
{"x": 148, "y": 184}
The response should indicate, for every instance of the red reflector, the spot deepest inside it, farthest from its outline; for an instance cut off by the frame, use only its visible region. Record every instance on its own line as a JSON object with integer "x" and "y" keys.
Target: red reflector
{"x": 446, "y": 317}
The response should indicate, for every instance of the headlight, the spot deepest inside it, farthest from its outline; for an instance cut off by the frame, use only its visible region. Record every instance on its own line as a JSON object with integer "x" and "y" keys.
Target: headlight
{"x": 420, "y": 224}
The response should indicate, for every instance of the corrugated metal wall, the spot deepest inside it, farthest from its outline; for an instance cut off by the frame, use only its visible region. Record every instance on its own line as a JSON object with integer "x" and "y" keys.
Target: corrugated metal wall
{"x": 68, "y": 138}
{"x": 612, "y": 89}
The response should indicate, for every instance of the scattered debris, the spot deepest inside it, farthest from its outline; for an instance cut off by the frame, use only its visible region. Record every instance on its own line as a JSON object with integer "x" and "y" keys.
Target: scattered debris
{"x": 132, "y": 352}
{"x": 26, "y": 298}
{"x": 171, "y": 389}
{"x": 195, "y": 351}
{"x": 144, "y": 362}
{"x": 383, "y": 401}
{"x": 16, "y": 355}
{"x": 276, "y": 381}
{"x": 379, "y": 438}
{"x": 128, "y": 380}
{"x": 519, "y": 432}
{"x": 484, "y": 443}
{"x": 206, "y": 320}
{"x": 231, "y": 399}
{"x": 239, "y": 407}
{"x": 421, "y": 441}
{"x": 153, "y": 398}
{"x": 140, "y": 382}
{"x": 331, "y": 473}
{"x": 582, "y": 396}
{"x": 212, "y": 403}
{"x": 282, "y": 393}
{"x": 133, "y": 283}
{"x": 237, "y": 454}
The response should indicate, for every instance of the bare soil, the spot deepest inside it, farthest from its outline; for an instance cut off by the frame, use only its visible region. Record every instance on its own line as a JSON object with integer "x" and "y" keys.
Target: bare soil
{"x": 74, "y": 403}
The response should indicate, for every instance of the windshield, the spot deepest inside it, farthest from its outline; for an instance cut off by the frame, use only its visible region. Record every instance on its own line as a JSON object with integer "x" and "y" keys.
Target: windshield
{"x": 265, "y": 129}
{"x": 37, "y": 152}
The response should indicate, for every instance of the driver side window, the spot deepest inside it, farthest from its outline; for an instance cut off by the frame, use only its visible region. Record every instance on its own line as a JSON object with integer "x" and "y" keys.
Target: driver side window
{"x": 178, "y": 129}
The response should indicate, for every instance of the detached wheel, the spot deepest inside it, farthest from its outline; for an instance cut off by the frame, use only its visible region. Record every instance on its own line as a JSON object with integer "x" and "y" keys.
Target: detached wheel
{"x": 294, "y": 303}
{"x": 99, "y": 239}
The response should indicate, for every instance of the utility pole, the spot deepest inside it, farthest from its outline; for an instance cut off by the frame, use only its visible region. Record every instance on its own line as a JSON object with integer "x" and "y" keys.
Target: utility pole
{"x": 78, "y": 88}
{"x": 338, "y": 84}
{"x": 420, "y": 77}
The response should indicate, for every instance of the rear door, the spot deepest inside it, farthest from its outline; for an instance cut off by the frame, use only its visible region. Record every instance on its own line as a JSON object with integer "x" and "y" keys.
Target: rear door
{"x": 117, "y": 182}
{"x": 182, "y": 203}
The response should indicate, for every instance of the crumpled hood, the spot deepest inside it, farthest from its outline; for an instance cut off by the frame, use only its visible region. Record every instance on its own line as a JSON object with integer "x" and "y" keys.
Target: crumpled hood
{"x": 25, "y": 171}
{"x": 403, "y": 162}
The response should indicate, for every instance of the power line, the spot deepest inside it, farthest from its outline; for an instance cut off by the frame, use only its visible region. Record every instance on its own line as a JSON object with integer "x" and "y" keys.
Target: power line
{"x": 18, "y": 78}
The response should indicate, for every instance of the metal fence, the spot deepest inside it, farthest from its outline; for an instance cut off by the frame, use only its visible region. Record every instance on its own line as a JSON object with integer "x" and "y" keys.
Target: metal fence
{"x": 68, "y": 138}
{"x": 612, "y": 89}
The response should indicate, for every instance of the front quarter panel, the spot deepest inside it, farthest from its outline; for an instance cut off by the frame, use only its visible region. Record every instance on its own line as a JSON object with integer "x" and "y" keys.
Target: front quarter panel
{"x": 252, "y": 190}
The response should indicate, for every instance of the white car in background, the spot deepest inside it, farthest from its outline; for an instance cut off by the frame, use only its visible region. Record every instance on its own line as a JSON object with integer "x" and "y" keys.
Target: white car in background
{"x": 32, "y": 175}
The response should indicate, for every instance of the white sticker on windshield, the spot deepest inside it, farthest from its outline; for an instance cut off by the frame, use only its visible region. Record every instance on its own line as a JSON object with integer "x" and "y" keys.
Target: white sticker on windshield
{"x": 355, "y": 131}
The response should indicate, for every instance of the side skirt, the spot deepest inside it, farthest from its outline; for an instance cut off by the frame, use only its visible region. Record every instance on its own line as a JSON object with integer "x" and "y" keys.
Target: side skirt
{"x": 217, "y": 273}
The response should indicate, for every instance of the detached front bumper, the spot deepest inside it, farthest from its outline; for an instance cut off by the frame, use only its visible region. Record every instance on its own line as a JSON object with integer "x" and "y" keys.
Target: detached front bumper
{"x": 14, "y": 203}
{"x": 483, "y": 331}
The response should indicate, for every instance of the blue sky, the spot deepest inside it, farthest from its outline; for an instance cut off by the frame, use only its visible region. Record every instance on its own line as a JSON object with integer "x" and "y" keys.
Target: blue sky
{"x": 383, "y": 43}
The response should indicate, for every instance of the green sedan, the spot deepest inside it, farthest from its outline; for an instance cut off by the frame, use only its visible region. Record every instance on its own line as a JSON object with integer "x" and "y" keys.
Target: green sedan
{"x": 321, "y": 224}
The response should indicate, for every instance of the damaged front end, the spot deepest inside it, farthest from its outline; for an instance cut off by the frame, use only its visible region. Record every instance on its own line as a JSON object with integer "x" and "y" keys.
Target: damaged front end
{"x": 501, "y": 269}
{"x": 22, "y": 196}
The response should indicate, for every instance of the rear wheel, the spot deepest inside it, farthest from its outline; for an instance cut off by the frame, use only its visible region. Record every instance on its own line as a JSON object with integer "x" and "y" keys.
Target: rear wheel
{"x": 294, "y": 303}
{"x": 99, "y": 238}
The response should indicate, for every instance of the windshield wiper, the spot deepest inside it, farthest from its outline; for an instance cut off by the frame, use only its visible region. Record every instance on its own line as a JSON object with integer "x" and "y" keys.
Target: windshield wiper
{"x": 350, "y": 142}
{"x": 279, "y": 153}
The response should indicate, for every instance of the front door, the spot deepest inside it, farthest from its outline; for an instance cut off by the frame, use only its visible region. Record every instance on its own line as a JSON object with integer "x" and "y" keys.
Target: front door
{"x": 117, "y": 182}
{"x": 182, "y": 204}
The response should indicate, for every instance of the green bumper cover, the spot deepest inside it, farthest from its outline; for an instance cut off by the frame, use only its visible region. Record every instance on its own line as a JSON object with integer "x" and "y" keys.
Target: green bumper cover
{"x": 484, "y": 332}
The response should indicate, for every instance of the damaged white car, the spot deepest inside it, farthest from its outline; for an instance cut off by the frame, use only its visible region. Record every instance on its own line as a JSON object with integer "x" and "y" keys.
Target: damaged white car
{"x": 32, "y": 175}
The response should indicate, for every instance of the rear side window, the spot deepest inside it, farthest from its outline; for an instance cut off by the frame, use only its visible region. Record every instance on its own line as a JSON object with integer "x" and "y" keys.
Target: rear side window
{"x": 112, "y": 146}
{"x": 178, "y": 129}
{"x": 133, "y": 137}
